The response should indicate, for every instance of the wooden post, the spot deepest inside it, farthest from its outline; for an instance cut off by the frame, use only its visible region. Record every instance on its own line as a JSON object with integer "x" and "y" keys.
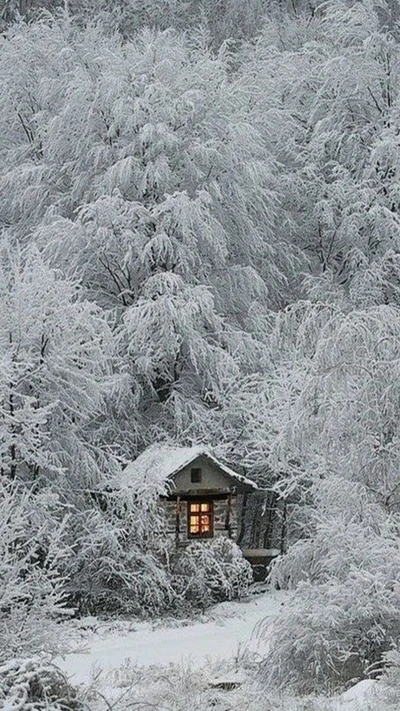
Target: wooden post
{"x": 228, "y": 515}
{"x": 243, "y": 508}
{"x": 177, "y": 520}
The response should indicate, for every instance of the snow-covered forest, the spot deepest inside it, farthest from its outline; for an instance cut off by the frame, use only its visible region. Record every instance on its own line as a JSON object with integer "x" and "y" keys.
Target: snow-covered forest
{"x": 200, "y": 244}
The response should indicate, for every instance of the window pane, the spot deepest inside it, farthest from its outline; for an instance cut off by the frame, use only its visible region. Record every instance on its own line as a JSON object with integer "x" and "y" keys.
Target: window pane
{"x": 200, "y": 518}
{"x": 205, "y": 524}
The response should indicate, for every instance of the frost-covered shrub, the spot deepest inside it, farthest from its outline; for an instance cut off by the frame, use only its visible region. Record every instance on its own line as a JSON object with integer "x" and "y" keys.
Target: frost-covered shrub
{"x": 118, "y": 564}
{"x": 29, "y": 685}
{"x": 209, "y": 572}
{"x": 345, "y": 613}
{"x": 216, "y": 685}
{"x": 116, "y": 571}
{"x": 390, "y": 678}
{"x": 333, "y": 633}
{"x": 31, "y": 586}
{"x": 111, "y": 573}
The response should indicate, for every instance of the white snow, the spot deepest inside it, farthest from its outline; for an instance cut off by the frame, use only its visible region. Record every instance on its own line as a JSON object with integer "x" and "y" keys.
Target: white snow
{"x": 359, "y": 697}
{"x": 158, "y": 463}
{"x": 231, "y": 630}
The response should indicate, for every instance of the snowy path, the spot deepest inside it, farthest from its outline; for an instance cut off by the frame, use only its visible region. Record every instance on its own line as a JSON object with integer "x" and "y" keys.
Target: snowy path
{"x": 231, "y": 630}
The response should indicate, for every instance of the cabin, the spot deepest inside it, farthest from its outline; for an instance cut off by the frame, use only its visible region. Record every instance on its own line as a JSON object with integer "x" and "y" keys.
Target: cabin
{"x": 203, "y": 497}
{"x": 200, "y": 494}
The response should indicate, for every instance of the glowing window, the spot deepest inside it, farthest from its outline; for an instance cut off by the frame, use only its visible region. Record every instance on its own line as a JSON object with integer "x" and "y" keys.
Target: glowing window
{"x": 200, "y": 519}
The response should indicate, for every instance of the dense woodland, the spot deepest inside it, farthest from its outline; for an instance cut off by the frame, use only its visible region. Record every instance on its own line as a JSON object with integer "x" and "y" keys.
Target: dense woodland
{"x": 200, "y": 243}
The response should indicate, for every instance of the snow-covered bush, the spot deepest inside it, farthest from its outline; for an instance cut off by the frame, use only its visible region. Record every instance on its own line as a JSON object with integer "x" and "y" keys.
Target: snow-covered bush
{"x": 119, "y": 552}
{"x": 215, "y": 685}
{"x": 334, "y": 633}
{"x": 345, "y": 613}
{"x": 111, "y": 572}
{"x": 29, "y": 685}
{"x": 209, "y": 572}
{"x": 390, "y": 678}
{"x": 32, "y": 588}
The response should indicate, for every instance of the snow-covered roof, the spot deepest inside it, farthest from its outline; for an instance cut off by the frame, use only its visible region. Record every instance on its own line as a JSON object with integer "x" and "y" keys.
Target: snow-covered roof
{"x": 159, "y": 463}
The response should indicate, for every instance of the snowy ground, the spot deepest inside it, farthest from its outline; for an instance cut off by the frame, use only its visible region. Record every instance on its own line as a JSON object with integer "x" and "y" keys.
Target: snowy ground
{"x": 111, "y": 656}
{"x": 227, "y": 631}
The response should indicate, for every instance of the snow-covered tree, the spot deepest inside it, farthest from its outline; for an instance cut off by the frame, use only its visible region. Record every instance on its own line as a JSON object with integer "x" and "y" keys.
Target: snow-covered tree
{"x": 221, "y": 20}
{"x": 32, "y": 557}
{"x": 56, "y": 379}
{"x": 331, "y": 82}
{"x": 56, "y": 353}
{"x": 154, "y": 188}
{"x": 120, "y": 553}
{"x": 344, "y": 413}
{"x": 337, "y": 453}
{"x": 344, "y": 615}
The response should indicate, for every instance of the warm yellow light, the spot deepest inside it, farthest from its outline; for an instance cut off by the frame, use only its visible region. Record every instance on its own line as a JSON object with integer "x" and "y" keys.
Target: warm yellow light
{"x": 200, "y": 518}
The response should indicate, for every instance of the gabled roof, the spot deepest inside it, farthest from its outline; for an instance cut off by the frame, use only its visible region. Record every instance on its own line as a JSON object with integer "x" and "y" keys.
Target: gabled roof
{"x": 159, "y": 463}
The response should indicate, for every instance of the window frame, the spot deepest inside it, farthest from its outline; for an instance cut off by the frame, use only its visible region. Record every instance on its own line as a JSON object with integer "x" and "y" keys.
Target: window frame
{"x": 195, "y": 478}
{"x": 198, "y": 514}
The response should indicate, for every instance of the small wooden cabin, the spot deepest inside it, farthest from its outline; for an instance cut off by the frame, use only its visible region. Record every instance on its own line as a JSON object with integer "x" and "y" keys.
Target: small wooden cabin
{"x": 203, "y": 497}
{"x": 200, "y": 494}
